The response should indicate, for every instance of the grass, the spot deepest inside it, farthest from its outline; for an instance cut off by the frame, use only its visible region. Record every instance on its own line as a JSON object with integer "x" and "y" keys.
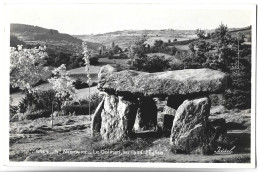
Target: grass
{"x": 41, "y": 143}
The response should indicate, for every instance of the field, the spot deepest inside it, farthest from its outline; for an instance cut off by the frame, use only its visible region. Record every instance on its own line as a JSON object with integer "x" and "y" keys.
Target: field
{"x": 125, "y": 38}
{"x": 36, "y": 141}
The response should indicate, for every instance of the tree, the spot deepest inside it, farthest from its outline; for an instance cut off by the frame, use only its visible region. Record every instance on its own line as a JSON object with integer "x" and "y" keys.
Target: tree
{"x": 137, "y": 50}
{"x": 201, "y": 34}
{"x": 113, "y": 45}
{"x": 27, "y": 66}
{"x": 63, "y": 85}
{"x": 158, "y": 45}
{"x": 221, "y": 34}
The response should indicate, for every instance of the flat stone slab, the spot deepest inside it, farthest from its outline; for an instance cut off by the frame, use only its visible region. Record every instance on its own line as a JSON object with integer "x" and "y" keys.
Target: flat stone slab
{"x": 169, "y": 83}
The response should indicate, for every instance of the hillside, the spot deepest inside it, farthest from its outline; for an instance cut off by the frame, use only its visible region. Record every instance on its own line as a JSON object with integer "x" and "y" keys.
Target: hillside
{"x": 62, "y": 42}
{"x": 126, "y": 37}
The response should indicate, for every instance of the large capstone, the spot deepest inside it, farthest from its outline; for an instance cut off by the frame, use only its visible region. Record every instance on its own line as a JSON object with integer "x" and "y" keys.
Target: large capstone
{"x": 146, "y": 118}
{"x": 189, "y": 130}
{"x": 118, "y": 117}
{"x": 170, "y": 83}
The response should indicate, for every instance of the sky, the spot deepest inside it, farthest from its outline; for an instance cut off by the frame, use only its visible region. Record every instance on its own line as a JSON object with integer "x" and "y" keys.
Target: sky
{"x": 100, "y": 18}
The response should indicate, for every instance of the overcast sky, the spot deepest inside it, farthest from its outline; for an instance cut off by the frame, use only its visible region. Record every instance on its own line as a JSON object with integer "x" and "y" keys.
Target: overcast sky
{"x": 93, "y": 18}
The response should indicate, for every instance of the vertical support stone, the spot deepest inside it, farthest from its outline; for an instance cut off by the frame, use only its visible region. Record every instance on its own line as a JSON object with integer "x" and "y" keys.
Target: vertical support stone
{"x": 146, "y": 118}
{"x": 189, "y": 130}
{"x": 118, "y": 117}
{"x": 96, "y": 121}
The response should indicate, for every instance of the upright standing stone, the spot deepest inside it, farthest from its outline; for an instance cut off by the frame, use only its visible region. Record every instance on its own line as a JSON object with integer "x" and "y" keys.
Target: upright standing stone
{"x": 118, "y": 117}
{"x": 189, "y": 129}
{"x": 96, "y": 121}
{"x": 146, "y": 118}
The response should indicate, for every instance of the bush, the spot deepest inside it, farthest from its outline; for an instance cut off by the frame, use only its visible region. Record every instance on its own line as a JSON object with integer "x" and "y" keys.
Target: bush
{"x": 78, "y": 84}
{"x": 38, "y": 100}
{"x": 93, "y": 60}
{"x": 37, "y": 114}
{"x": 151, "y": 64}
{"x": 83, "y": 107}
{"x": 77, "y": 109}
{"x": 237, "y": 99}
{"x": 177, "y": 66}
{"x": 13, "y": 110}
{"x": 118, "y": 56}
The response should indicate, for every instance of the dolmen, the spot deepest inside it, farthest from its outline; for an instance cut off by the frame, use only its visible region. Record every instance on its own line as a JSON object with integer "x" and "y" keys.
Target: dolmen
{"x": 128, "y": 105}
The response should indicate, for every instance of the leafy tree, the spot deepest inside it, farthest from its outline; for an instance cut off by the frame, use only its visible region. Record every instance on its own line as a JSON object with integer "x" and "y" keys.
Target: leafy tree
{"x": 137, "y": 50}
{"x": 27, "y": 66}
{"x": 113, "y": 45}
{"x": 221, "y": 34}
{"x": 158, "y": 45}
{"x": 201, "y": 34}
{"x": 63, "y": 85}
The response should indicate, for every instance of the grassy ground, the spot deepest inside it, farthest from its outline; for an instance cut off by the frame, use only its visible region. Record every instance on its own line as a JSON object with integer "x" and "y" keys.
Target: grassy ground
{"x": 70, "y": 140}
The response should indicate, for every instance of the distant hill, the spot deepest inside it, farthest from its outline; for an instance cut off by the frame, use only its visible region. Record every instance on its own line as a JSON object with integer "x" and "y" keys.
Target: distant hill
{"x": 126, "y": 37}
{"x": 34, "y": 35}
{"x": 14, "y": 41}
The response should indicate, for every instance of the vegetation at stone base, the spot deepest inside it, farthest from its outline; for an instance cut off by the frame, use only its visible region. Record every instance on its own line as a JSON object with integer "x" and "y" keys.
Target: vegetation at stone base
{"x": 39, "y": 104}
{"x": 82, "y": 107}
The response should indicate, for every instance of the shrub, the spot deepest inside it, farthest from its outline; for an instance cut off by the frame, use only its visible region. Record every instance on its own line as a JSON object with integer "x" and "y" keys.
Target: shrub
{"x": 82, "y": 108}
{"x": 151, "y": 64}
{"x": 13, "y": 110}
{"x": 77, "y": 109}
{"x": 237, "y": 99}
{"x": 118, "y": 56}
{"x": 37, "y": 114}
{"x": 177, "y": 66}
{"x": 38, "y": 100}
{"x": 78, "y": 84}
{"x": 93, "y": 60}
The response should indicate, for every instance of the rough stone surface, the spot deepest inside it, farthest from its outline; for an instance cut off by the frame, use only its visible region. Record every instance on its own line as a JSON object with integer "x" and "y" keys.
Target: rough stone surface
{"x": 96, "y": 121}
{"x": 118, "y": 117}
{"x": 146, "y": 118}
{"x": 169, "y": 111}
{"x": 189, "y": 129}
{"x": 179, "y": 82}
